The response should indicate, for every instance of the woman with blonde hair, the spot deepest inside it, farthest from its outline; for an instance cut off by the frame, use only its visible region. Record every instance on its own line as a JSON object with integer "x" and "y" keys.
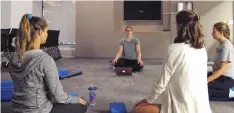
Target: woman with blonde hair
{"x": 221, "y": 80}
{"x": 34, "y": 73}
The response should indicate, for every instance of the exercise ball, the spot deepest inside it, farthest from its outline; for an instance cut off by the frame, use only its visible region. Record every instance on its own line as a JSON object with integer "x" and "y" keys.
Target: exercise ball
{"x": 147, "y": 108}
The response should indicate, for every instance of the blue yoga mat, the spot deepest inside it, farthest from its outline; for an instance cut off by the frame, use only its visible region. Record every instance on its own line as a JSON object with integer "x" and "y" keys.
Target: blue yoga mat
{"x": 63, "y": 73}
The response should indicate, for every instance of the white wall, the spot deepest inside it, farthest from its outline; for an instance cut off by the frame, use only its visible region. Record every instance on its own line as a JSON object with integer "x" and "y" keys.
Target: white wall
{"x": 12, "y": 11}
{"x": 5, "y": 14}
{"x": 37, "y": 8}
{"x": 100, "y": 27}
{"x": 61, "y": 15}
{"x": 221, "y": 11}
{"x": 18, "y": 9}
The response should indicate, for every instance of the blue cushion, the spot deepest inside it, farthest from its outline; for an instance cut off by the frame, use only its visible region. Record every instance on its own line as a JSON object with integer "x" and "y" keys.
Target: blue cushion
{"x": 73, "y": 94}
{"x": 6, "y": 90}
{"x": 118, "y": 108}
{"x": 7, "y": 83}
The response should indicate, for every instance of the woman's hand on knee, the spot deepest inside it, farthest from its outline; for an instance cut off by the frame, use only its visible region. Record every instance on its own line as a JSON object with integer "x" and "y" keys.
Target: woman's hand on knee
{"x": 139, "y": 61}
{"x": 82, "y": 101}
{"x": 114, "y": 61}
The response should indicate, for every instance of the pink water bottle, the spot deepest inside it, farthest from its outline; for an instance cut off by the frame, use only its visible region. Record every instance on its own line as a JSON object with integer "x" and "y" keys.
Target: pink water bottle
{"x": 92, "y": 95}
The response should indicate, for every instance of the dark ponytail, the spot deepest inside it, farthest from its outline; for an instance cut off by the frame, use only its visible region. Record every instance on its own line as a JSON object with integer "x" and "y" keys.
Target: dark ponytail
{"x": 189, "y": 29}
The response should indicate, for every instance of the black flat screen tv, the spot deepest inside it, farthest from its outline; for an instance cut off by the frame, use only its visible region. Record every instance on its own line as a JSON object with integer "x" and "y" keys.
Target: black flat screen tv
{"x": 142, "y": 10}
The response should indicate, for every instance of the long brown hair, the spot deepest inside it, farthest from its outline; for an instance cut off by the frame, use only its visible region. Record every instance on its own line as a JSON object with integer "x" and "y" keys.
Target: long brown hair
{"x": 28, "y": 28}
{"x": 223, "y": 27}
{"x": 190, "y": 29}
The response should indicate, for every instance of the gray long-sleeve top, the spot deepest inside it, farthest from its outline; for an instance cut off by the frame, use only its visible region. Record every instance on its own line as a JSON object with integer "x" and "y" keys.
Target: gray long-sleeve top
{"x": 36, "y": 83}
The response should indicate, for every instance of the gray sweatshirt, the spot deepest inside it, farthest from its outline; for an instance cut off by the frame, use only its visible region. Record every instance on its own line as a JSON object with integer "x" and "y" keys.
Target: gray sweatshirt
{"x": 36, "y": 83}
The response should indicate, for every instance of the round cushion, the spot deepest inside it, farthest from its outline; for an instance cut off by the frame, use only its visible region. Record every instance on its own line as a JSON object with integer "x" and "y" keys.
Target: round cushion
{"x": 147, "y": 108}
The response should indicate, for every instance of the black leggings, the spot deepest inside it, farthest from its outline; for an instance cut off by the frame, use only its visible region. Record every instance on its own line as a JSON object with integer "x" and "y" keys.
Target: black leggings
{"x": 129, "y": 63}
{"x": 69, "y": 108}
{"x": 219, "y": 88}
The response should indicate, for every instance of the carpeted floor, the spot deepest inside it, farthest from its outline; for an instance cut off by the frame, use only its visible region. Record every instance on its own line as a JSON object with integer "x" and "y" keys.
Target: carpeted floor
{"x": 111, "y": 88}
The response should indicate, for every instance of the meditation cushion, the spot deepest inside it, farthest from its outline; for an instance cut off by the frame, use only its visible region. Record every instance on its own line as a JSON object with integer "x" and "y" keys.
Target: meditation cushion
{"x": 6, "y": 90}
{"x": 147, "y": 108}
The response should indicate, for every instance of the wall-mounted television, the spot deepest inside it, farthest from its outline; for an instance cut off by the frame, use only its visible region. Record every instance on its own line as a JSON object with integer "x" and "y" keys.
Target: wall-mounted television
{"x": 142, "y": 10}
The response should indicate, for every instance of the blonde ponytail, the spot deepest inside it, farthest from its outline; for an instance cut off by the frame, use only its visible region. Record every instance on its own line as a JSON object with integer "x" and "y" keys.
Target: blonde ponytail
{"x": 27, "y": 33}
{"x": 24, "y": 36}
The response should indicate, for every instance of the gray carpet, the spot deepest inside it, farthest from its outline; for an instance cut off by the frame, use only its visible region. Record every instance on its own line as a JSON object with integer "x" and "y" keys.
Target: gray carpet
{"x": 110, "y": 87}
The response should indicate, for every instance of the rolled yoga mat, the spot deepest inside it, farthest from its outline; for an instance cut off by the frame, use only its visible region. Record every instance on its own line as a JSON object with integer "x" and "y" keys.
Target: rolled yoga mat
{"x": 63, "y": 73}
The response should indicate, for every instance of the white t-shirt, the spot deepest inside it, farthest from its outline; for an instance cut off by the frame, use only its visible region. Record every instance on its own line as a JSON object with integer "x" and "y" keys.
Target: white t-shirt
{"x": 183, "y": 81}
{"x": 225, "y": 52}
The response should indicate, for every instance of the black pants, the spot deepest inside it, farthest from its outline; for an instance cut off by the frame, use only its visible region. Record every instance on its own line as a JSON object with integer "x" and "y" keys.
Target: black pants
{"x": 129, "y": 63}
{"x": 69, "y": 108}
{"x": 219, "y": 88}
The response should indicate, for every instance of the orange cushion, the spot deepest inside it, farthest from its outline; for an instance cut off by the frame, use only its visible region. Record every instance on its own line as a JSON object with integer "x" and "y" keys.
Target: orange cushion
{"x": 147, "y": 108}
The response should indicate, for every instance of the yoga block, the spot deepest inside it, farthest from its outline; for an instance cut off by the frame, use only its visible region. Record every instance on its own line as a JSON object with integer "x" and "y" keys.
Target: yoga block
{"x": 118, "y": 108}
{"x": 6, "y": 90}
{"x": 63, "y": 73}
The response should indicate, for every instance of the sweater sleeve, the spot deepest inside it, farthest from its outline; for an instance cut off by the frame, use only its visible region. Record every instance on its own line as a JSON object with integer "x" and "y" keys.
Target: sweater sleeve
{"x": 170, "y": 64}
{"x": 55, "y": 88}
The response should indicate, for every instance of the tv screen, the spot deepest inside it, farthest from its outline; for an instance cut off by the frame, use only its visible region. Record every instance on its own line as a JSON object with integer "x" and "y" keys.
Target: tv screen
{"x": 142, "y": 10}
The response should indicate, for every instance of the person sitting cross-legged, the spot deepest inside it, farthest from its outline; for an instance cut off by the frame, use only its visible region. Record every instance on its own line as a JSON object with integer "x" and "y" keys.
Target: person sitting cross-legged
{"x": 129, "y": 53}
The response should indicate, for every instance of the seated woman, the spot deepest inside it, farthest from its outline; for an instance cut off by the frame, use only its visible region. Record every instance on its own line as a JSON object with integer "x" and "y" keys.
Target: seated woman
{"x": 35, "y": 76}
{"x": 222, "y": 78}
{"x": 129, "y": 51}
{"x": 184, "y": 66}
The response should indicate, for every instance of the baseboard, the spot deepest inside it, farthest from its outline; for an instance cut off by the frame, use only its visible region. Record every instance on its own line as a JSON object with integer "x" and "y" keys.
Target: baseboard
{"x": 210, "y": 61}
{"x": 67, "y": 51}
{"x": 111, "y": 58}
